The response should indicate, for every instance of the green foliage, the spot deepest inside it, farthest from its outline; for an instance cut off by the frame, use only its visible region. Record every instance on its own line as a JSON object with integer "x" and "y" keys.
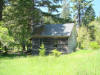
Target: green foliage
{"x": 83, "y": 38}
{"x": 0, "y": 48}
{"x": 96, "y": 28}
{"x": 66, "y": 13}
{"x": 55, "y": 52}
{"x": 1, "y": 8}
{"x": 42, "y": 50}
{"x": 17, "y": 21}
{"x": 89, "y": 15}
{"x": 56, "y": 20}
{"x": 94, "y": 45}
{"x": 80, "y": 10}
{"x": 86, "y": 36}
{"x": 98, "y": 19}
{"x": 22, "y": 17}
{"x": 5, "y": 38}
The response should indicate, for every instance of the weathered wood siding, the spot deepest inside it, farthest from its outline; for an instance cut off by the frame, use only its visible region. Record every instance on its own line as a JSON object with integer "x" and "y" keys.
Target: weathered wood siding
{"x": 51, "y": 43}
{"x": 36, "y": 45}
{"x": 72, "y": 41}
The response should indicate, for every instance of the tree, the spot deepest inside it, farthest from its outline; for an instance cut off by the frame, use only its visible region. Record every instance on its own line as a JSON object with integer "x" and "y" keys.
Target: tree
{"x": 89, "y": 16}
{"x": 95, "y": 25}
{"x": 79, "y": 8}
{"x": 66, "y": 13}
{"x": 1, "y": 8}
{"x": 17, "y": 18}
{"x": 5, "y": 38}
{"x": 98, "y": 18}
{"x": 83, "y": 38}
{"x": 22, "y": 17}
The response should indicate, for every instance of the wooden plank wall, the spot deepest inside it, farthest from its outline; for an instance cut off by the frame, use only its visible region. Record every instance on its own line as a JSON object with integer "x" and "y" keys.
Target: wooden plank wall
{"x": 51, "y": 43}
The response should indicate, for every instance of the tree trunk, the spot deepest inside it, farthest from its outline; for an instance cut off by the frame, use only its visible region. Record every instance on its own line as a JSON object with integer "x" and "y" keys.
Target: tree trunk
{"x": 0, "y": 46}
{"x": 23, "y": 47}
{"x": 28, "y": 47}
{"x": 32, "y": 25}
{"x": 1, "y": 8}
{"x": 79, "y": 15}
{"x": 5, "y": 50}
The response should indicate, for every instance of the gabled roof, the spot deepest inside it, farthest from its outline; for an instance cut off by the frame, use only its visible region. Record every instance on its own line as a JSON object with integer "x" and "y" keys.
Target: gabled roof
{"x": 57, "y": 30}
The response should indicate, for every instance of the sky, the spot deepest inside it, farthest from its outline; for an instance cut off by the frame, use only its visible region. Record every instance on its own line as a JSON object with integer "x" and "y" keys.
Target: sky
{"x": 97, "y": 7}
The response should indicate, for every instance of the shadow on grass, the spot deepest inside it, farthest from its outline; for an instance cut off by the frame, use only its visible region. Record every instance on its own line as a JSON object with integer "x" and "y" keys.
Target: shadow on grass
{"x": 12, "y": 55}
{"x": 17, "y": 54}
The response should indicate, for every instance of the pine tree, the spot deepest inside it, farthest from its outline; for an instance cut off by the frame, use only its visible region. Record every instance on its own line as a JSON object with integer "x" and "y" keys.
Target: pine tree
{"x": 79, "y": 7}
{"x": 66, "y": 13}
{"x": 1, "y": 8}
{"x": 89, "y": 15}
{"x": 18, "y": 20}
{"x": 22, "y": 17}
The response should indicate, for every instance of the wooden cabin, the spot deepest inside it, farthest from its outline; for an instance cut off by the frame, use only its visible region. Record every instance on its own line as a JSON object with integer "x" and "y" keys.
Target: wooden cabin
{"x": 56, "y": 36}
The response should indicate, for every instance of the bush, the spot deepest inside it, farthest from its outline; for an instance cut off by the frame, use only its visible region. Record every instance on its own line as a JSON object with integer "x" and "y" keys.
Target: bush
{"x": 42, "y": 50}
{"x": 96, "y": 27}
{"x": 55, "y": 52}
{"x": 83, "y": 38}
{"x": 94, "y": 45}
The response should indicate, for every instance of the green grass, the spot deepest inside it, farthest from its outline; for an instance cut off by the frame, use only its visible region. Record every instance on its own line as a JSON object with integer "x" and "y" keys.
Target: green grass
{"x": 84, "y": 62}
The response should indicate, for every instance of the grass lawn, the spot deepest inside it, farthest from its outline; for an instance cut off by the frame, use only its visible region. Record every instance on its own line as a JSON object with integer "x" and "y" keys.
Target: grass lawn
{"x": 84, "y": 62}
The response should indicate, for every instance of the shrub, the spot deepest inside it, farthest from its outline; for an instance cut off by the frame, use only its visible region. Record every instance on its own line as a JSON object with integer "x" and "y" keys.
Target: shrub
{"x": 94, "y": 45}
{"x": 83, "y": 38}
{"x": 96, "y": 27}
{"x": 42, "y": 50}
{"x": 55, "y": 52}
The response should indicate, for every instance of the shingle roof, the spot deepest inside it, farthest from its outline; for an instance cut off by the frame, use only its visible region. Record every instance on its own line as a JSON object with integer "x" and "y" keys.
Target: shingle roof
{"x": 58, "y": 29}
